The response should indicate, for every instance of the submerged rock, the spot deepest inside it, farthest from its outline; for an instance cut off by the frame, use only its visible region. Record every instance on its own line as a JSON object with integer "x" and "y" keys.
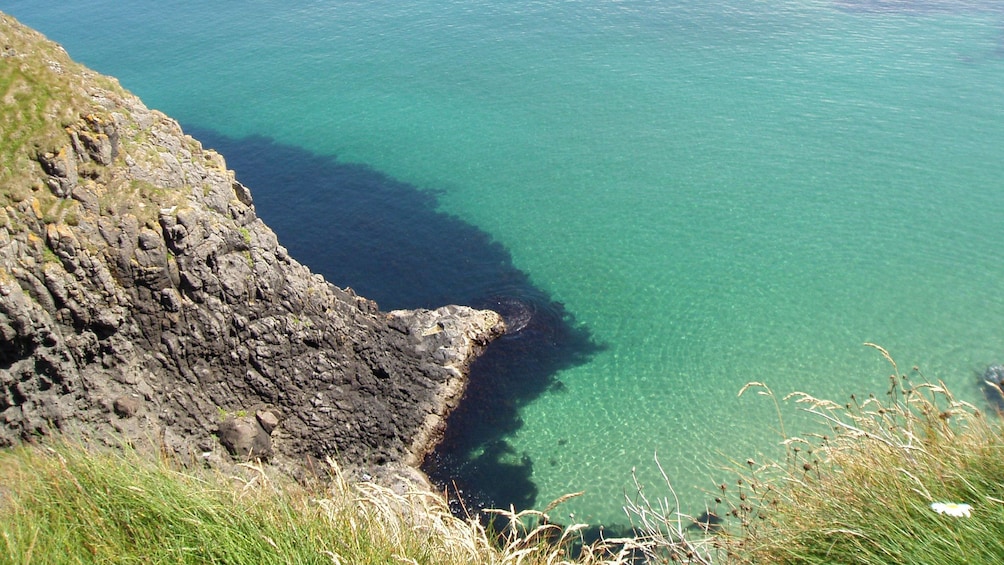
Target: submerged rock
{"x": 993, "y": 386}
{"x": 708, "y": 522}
{"x": 517, "y": 312}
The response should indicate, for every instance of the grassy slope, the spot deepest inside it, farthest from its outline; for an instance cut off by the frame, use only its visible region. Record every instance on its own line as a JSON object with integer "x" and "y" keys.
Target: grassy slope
{"x": 68, "y": 506}
{"x": 45, "y": 96}
{"x": 42, "y": 93}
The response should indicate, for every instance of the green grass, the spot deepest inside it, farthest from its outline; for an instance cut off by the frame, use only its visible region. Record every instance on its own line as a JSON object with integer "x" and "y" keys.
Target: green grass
{"x": 71, "y": 505}
{"x": 40, "y": 97}
{"x": 862, "y": 493}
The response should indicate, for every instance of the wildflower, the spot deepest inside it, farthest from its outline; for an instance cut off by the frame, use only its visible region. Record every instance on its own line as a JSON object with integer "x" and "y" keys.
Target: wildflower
{"x": 956, "y": 509}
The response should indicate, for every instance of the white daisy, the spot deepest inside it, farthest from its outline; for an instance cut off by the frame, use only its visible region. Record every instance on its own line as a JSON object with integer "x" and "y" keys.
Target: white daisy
{"x": 957, "y": 509}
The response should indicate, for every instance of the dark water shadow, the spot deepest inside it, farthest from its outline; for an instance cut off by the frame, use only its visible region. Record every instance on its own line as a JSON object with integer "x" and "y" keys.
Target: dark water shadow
{"x": 483, "y": 468}
{"x": 387, "y": 240}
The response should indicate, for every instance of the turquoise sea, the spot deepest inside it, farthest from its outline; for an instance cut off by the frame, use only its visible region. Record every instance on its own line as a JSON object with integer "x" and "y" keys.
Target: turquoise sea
{"x": 676, "y": 197}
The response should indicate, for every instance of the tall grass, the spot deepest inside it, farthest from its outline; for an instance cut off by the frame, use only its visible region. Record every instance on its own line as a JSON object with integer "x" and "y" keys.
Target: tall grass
{"x": 71, "y": 505}
{"x": 864, "y": 494}
{"x": 868, "y": 490}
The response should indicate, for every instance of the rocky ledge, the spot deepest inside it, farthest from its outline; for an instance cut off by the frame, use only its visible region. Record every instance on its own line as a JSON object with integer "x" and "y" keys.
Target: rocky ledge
{"x": 142, "y": 299}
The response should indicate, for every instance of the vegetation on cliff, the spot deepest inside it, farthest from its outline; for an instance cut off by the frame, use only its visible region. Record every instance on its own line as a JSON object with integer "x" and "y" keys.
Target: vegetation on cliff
{"x": 913, "y": 475}
{"x": 910, "y": 476}
{"x": 35, "y": 113}
{"x": 59, "y": 130}
{"x": 68, "y": 506}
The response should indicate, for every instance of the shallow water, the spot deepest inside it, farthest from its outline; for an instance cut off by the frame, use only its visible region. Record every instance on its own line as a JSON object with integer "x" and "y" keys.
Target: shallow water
{"x": 693, "y": 195}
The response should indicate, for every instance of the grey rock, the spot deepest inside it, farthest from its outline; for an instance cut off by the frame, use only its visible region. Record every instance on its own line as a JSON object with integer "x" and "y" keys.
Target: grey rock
{"x": 267, "y": 420}
{"x": 61, "y": 166}
{"x": 149, "y": 239}
{"x": 126, "y": 406}
{"x": 169, "y": 295}
{"x": 245, "y": 439}
{"x": 993, "y": 386}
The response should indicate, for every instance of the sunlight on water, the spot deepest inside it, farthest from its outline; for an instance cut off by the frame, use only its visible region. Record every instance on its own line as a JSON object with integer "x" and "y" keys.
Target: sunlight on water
{"x": 718, "y": 194}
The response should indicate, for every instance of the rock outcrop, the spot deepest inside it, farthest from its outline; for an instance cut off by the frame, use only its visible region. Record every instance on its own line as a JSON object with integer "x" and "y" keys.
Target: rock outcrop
{"x": 142, "y": 298}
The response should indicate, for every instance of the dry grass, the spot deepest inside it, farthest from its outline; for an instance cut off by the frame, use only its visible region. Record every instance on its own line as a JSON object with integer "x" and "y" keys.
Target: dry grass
{"x": 69, "y": 505}
{"x": 879, "y": 486}
{"x": 860, "y": 493}
{"x": 864, "y": 493}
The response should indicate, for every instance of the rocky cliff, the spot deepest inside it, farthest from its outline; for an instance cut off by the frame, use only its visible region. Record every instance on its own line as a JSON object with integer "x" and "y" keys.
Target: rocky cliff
{"x": 142, "y": 299}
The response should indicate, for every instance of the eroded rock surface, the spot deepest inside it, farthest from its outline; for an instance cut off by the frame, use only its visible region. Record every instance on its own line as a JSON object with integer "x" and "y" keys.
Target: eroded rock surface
{"x": 141, "y": 296}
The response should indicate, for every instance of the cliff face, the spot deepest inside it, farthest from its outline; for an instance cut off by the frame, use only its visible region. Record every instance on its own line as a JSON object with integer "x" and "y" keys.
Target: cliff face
{"x": 141, "y": 297}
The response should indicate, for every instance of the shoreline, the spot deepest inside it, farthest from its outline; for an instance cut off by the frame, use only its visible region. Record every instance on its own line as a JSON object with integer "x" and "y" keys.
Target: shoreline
{"x": 134, "y": 269}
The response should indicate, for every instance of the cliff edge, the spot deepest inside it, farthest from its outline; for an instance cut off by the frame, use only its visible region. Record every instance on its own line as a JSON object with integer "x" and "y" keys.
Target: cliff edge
{"x": 142, "y": 298}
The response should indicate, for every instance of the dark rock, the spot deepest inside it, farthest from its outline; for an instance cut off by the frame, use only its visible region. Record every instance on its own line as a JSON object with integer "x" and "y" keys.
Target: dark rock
{"x": 149, "y": 239}
{"x": 245, "y": 439}
{"x": 708, "y": 522}
{"x": 61, "y": 166}
{"x": 100, "y": 138}
{"x": 243, "y": 194}
{"x": 993, "y": 386}
{"x": 174, "y": 291}
{"x": 126, "y": 406}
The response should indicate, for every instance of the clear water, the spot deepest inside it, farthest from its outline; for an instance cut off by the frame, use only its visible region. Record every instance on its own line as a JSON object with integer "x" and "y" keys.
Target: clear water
{"x": 716, "y": 191}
